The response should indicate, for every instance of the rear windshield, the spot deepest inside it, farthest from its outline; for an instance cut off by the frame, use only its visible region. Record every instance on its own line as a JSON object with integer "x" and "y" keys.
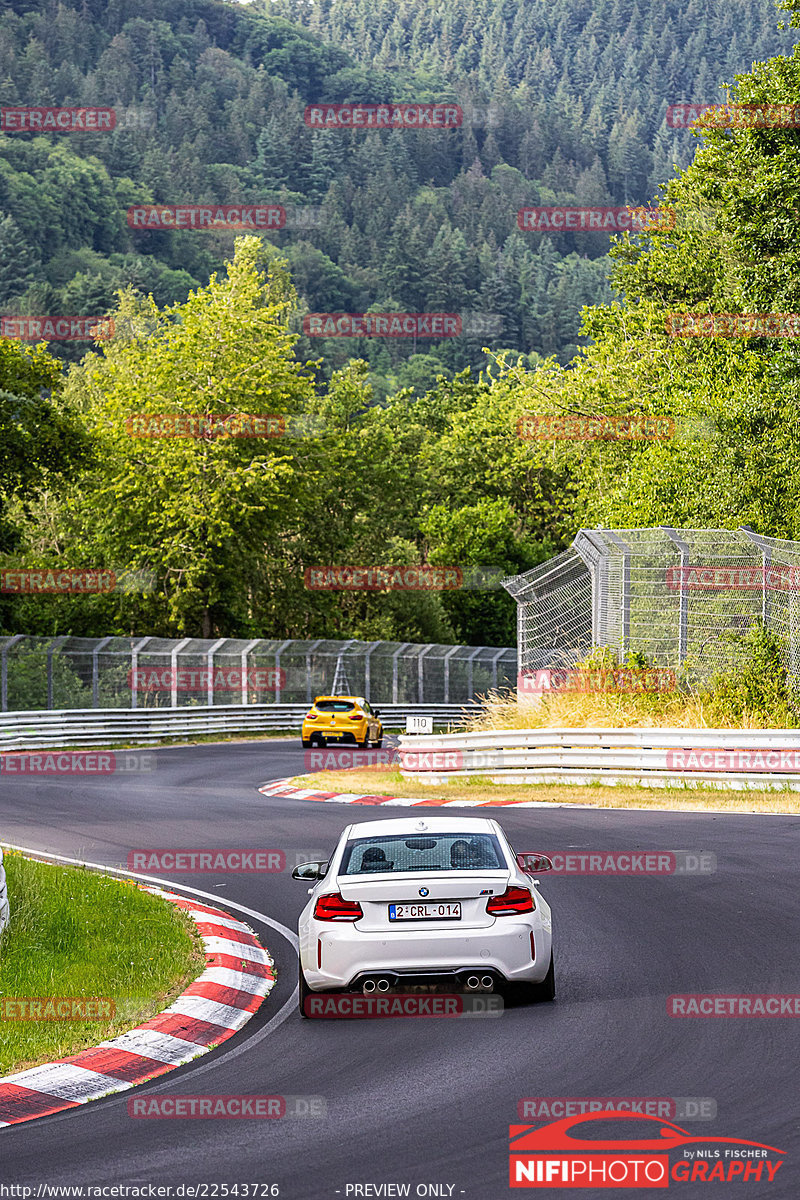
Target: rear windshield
{"x": 430, "y": 852}
{"x": 333, "y": 705}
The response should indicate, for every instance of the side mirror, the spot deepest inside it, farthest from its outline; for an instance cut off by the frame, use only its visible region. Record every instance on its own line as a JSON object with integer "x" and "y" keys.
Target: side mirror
{"x": 310, "y": 870}
{"x": 376, "y": 712}
{"x": 531, "y": 862}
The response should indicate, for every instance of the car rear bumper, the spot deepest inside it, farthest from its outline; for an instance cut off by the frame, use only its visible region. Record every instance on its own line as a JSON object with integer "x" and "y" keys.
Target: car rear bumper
{"x": 502, "y": 949}
{"x": 348, "y": 737}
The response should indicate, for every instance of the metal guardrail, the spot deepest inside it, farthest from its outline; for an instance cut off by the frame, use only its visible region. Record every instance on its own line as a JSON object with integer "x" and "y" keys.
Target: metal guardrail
{"x": 3, "y": 894}
{"x": 103, "y": 727}
{"x": 732, "y": 758}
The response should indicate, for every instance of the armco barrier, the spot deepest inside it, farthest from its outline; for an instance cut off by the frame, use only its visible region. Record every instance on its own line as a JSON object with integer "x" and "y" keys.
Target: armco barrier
{"x": 727, "y": 758}
{"x": 3, "y": 894}
{"x": 108, "y": 727}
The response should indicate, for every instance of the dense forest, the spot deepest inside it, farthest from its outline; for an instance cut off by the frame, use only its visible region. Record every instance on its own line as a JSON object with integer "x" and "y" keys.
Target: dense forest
{"x": 562, "y": 103}
{"x": 391, "y": 452}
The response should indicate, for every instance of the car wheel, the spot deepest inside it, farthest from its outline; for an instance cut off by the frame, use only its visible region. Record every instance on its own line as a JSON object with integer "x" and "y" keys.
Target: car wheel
{"x": 377, "y": 745}
{"x": 305, "y": 991}
{"x": 307, "y": 745}
{"x": 546, "y": 990}
{"x": 532, "y": 993}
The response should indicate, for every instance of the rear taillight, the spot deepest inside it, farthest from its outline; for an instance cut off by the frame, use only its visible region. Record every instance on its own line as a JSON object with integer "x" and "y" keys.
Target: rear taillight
{"x": 513, "y": 900}
{"x": 356, "y": 716}
{"x": 334, "y": 907}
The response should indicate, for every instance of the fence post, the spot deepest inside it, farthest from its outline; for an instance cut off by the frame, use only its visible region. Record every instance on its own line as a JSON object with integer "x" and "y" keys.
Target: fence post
{"x": 251, "y": 646}
{"x": 54, "y": 645}
{"x": 420, "y": 675}
{"x": 7, "y": 644}
{"x": 766, "y": 560}
{"x": 470, "y": 691}
{"x": 278, "y": 654}
{"x": 309, "y": 652}
{"x": 173, "y": 658}
{"x": 210, "y": 668}
{"x": 683, "y": 626}
{"x": 95, "y": 671}
{"x": 395, "y": 657}
{"x": 367, "y": 678}
{"x": 447, "y": 658}
{"x": 626, "y": 588}
{"x": 135, "y": 667}
{"x": 499, "y": 654}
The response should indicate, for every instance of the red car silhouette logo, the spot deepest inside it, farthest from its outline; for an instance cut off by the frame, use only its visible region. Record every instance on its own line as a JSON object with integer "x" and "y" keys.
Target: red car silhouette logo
{"x": 557, "y": 1136}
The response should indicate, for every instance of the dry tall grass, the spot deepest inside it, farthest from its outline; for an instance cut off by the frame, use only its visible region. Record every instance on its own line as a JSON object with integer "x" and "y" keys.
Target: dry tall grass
{"x": 606, "y": 710}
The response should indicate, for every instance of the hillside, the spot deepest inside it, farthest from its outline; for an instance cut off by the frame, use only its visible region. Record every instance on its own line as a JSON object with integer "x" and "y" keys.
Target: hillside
{"x": 563, "y": 103}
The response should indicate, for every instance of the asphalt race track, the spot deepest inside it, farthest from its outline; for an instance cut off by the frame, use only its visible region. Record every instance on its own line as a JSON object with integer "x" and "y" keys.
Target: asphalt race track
{"x": 429, "y": 1101}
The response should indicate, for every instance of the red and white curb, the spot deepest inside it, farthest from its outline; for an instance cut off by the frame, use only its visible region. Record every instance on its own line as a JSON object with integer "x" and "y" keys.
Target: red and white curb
{"x": 239, "y": 974}
{"x": 283, "y": 787}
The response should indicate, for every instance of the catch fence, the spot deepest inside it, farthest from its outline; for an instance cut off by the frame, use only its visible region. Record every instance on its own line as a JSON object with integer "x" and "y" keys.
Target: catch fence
{"x": 152, "y": 672}
{"x": 681, "y": 597}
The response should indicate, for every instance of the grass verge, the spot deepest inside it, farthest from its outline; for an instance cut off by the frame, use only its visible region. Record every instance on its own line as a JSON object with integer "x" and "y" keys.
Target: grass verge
{"x": 387, "y": 780}
{"x": 75, "y": 933}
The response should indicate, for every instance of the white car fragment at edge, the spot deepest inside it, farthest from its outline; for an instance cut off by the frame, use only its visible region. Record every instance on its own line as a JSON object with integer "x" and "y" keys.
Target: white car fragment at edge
{"x": 3, "y": 894}
{"x": 422, "y": 900}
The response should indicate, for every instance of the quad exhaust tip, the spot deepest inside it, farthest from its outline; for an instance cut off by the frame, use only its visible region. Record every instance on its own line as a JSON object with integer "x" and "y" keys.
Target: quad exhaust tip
{"x": 482, "y": 983}
{"x": 375, "y": 985}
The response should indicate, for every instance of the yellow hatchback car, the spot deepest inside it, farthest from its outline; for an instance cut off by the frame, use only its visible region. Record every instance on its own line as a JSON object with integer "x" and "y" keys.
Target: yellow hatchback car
{"x": 343, "y": 719}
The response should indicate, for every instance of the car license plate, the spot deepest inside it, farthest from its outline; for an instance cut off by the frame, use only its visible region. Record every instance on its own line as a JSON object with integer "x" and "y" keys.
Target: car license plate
{"x": 444, "y": 911}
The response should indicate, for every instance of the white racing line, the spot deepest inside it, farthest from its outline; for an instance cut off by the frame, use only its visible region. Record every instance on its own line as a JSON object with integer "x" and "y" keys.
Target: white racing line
{"x": 274, "y": 1022}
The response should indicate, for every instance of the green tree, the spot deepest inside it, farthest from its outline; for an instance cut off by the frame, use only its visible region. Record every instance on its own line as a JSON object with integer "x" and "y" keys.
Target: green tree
{"x": 200, "y": 512}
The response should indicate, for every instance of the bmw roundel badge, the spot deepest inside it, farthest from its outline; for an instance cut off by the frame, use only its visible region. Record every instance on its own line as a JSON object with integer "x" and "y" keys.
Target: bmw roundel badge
{"x": 423, "y": 891}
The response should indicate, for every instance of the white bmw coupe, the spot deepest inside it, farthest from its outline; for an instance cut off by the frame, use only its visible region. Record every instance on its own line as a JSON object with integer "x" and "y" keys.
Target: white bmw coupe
{"x": 425, "y": 900}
